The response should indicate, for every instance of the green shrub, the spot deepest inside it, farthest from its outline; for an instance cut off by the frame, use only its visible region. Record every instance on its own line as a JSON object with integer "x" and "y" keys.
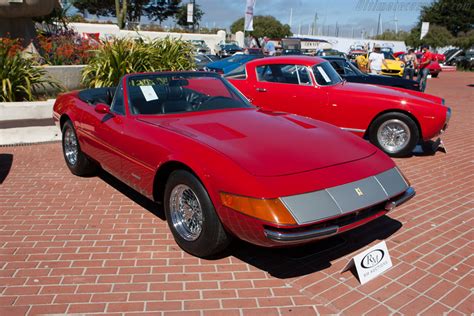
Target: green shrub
{"x": 19, "y": 77}
{"x": 123, "y": 56}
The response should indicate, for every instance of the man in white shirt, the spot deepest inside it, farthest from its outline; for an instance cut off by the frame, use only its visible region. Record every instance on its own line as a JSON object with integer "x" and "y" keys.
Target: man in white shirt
{"x": 376, "y": 60}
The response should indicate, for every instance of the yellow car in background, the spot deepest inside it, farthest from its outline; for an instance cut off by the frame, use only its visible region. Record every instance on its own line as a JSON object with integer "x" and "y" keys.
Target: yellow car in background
{"x": 395, "y": 66}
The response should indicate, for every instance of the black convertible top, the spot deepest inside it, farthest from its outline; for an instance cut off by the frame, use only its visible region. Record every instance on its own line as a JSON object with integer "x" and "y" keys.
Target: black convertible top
{"x": 98, "y": 95}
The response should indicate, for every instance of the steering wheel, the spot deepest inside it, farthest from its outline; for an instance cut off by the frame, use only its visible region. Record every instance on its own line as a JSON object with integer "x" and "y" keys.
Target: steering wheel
{"x": 208, "y": 103}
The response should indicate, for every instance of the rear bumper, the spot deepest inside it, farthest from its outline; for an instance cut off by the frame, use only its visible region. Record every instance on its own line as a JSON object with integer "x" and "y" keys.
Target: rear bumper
{"x": 283, "y": 236}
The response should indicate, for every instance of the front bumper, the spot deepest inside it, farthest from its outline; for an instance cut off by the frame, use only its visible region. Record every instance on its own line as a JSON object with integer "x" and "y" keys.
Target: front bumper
{"x": 340, "y": 225}
{"x": 446, "y": 122}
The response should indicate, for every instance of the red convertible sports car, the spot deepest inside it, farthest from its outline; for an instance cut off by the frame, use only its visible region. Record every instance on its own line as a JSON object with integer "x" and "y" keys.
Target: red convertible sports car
{"x": 393, "y": 119}
{"x": 222, "y": 167}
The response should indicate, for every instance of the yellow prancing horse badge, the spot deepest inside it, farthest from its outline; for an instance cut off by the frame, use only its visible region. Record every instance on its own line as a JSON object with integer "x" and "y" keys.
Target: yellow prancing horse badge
{"x": 359, "y": 191}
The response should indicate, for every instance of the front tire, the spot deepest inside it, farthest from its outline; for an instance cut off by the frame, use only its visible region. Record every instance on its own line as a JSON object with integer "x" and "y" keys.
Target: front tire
{"x": 191, "y": 216}
{"x": 394, "y": 133}
{"x": 76, "y": 160}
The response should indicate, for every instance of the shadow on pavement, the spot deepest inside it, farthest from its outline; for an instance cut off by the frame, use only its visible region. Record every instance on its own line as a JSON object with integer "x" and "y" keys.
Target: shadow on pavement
{"x": 132, "y": 194}
{"x": 298, "y": 261}
{"x": 283, "y": 262}
{"x": 6, "y": 162}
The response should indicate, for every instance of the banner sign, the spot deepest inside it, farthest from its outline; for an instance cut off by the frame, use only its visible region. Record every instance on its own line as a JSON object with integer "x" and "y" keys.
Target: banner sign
{"x": 425, "y": 27}
{"x": 190, "y": 18}
{"x": 249, "y": 15}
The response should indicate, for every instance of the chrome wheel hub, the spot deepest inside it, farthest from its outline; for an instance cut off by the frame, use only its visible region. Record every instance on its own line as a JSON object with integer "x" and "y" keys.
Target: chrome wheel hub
{"x": 70, "y": 146}
{"x": 186, "y": 212}
{"x": 393, "y": 135}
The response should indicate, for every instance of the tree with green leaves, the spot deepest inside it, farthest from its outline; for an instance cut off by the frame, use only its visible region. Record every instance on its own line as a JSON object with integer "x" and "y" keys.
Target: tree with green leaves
{"x": 437, "y": 36}
{"x": 264, "y": 26}
{"x": 456, "y": 16}
{"x": 124, "y": 10}
{"x": 182, "y": 15}
{"x": 464, "y": 39}
{"x": 162, "y": 9}
{"x": 121, "y": 12}
{"x": 390, "y": 35}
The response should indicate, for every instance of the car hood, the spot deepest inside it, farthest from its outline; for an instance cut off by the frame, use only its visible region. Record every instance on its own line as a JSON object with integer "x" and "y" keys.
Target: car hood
{"x": 268, "y": 143}
{"x": 389, "y": 93}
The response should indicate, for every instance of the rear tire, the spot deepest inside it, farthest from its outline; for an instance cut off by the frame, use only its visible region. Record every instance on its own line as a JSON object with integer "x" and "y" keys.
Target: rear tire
{"x": 76, "y": 160}
{"x": 191, "y": 216}
{"x": 394, "y": 133}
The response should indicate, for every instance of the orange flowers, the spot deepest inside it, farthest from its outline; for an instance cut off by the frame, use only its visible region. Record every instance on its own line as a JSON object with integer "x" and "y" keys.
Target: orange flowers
{"x": 65, "y": 48}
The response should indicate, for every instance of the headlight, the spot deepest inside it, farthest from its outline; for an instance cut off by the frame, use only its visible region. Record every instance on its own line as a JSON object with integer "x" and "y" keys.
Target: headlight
{"x": 270, "y": 210}
{"x": 402, "y": 65}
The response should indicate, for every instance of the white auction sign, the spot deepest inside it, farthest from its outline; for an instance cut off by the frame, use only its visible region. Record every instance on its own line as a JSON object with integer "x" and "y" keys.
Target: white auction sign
{"x": 425, "y": 27}
{"x": 371, "y": 262}
{"x": 190, "y": 18}
{"x": 249, "y": 8}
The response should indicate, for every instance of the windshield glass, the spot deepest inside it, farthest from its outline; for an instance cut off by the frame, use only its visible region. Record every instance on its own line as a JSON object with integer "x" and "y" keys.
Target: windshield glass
{"x": 231, "y": 46}
{"x": 352, "y": 70}
{"x": 388, "y": 55}
{"x": 235, "y": 58}
{"x": 166, "y": 93}
{"x": 325, "y": 74}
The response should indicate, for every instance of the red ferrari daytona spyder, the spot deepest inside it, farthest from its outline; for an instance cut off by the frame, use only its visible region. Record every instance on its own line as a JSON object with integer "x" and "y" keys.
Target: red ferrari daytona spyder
{"x": 222, "y": 167}
{"x": 393, "y": 119}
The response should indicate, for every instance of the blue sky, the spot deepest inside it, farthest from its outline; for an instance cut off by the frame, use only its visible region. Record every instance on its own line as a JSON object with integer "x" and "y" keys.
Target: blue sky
{"x": 348, "y": 14}
{"x": 352, "y": 16}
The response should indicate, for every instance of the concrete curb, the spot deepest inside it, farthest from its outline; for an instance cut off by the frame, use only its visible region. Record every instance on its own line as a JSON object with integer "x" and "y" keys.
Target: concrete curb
{"x": 10, "y": 111}
{"x": 29, "y": 135}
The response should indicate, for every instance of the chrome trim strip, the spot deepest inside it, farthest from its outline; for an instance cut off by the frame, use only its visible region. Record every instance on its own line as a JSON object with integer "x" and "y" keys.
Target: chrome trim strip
{"x": 335, "y": 202}
{"x": 356, "y": 130}
{"x": 385, "y": 191}
{"x": 407, "y": 195}
{"x": 300, "y": 236}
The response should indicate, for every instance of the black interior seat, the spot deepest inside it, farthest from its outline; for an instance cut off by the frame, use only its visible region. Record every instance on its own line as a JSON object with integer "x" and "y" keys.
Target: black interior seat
{"x": 98, "y": 95}
{"x": 140, "y": 105}
{"x": 176, "y": 101}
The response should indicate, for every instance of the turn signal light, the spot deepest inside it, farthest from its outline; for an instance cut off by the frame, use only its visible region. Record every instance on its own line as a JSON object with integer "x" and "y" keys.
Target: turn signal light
{"x": 270, "y": 210}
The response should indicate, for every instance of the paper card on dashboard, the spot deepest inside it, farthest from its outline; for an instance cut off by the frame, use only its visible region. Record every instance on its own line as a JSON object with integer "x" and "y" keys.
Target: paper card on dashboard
{"x": 149, "y": 93}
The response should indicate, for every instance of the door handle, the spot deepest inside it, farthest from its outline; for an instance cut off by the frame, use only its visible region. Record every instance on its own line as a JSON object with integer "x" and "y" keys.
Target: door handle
{"x": 261, "y": 89}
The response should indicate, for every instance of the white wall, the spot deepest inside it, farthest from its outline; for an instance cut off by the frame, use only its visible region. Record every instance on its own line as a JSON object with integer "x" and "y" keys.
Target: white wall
{"x": 343, "y": 44}
{"x": 111, "y": 30}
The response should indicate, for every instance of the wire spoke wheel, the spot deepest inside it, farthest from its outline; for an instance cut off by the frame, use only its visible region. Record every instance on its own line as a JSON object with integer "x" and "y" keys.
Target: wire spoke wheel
{"x": 393, "y": 135}
{"x": 70, "y": 146}
{"x": 186, "y": 212}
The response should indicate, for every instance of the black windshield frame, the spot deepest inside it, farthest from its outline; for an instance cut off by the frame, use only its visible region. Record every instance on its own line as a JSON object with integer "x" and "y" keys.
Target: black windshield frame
{"x": 236, "y": 94}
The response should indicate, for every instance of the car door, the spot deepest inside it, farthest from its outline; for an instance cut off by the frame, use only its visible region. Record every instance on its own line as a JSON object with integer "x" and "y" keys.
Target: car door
{"x": 102, "y": 135}
{"x": 141, "y": 154}
{"x": 288, "y": 88}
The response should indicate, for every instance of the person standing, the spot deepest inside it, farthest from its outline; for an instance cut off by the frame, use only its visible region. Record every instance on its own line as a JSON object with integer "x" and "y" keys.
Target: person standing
{"x": 424, "y": 71}
{"x": 269, "y": 47}
{"x": 376, "y": 60}
{"x": 410, "y": 65}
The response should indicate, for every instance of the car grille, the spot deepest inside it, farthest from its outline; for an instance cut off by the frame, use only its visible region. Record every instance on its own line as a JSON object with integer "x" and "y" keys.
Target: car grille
{"x": 391, "y": 71}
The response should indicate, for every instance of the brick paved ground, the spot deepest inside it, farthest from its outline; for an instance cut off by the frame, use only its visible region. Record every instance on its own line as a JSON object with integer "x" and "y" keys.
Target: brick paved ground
{"x": 89, "y": 245}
